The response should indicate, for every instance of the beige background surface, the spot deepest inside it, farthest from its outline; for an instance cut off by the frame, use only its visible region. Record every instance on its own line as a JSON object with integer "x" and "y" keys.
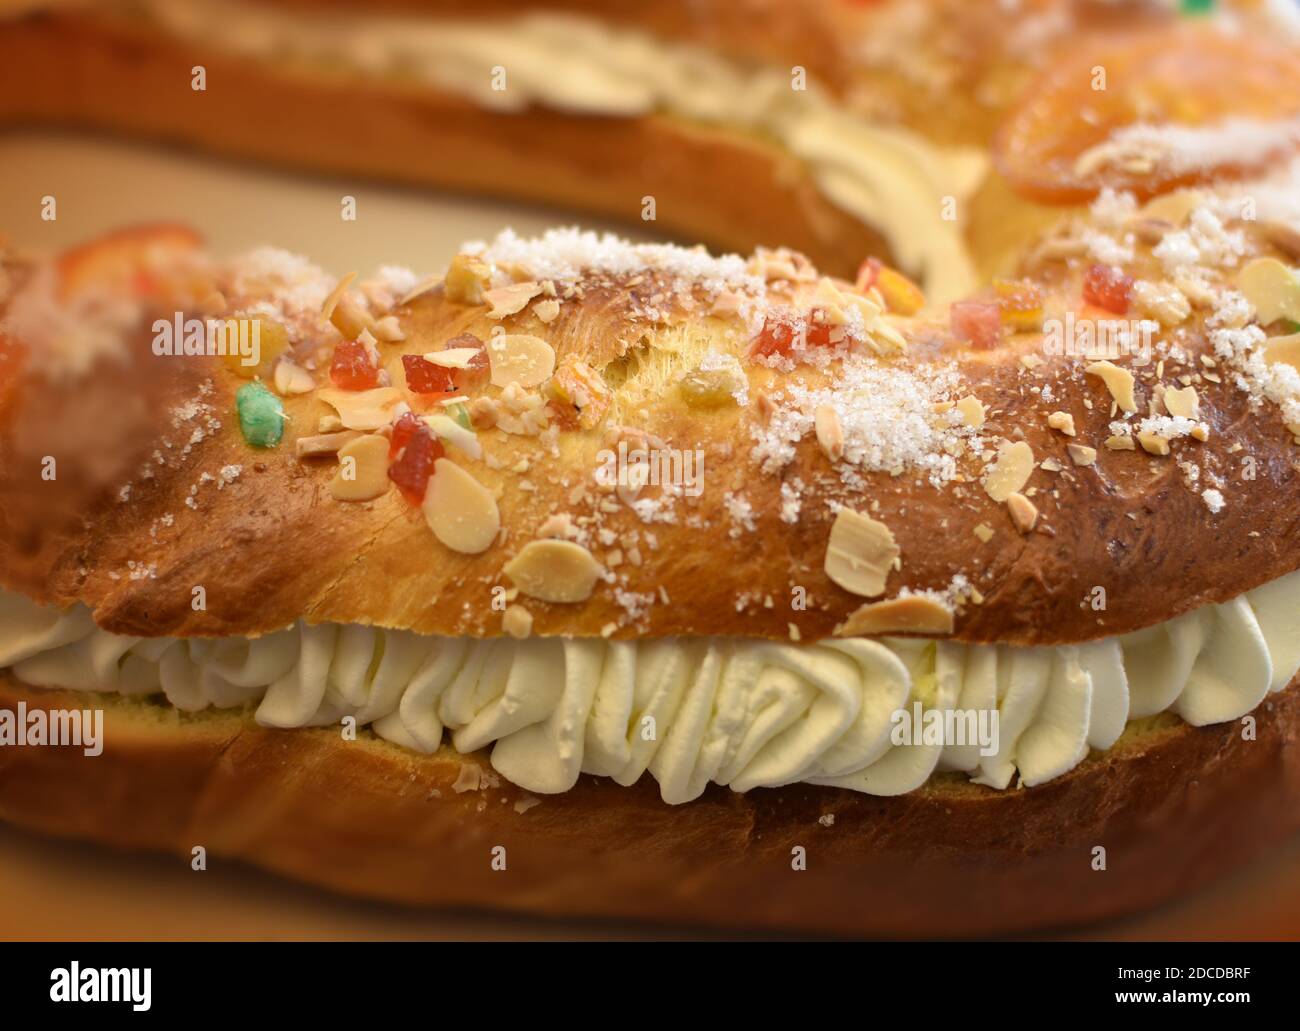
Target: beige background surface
{"x": 52, "y": 889}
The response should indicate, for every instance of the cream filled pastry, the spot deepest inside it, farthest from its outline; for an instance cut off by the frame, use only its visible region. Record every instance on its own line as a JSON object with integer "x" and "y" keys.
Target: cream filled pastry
{"x": 668, "y": 573}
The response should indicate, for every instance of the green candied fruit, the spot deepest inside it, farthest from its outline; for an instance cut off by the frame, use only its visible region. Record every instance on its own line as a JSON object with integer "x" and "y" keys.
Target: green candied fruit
{"x": 261, "y": 415}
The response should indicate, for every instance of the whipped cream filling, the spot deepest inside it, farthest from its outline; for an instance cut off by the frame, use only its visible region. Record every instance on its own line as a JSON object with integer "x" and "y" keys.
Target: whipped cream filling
{"x": 888, "y": 177}
{"x": 733, "y": 711}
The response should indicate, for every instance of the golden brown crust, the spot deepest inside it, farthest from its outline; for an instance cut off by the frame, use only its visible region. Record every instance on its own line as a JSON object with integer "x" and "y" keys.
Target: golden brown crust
{"x": 1128, "y": 524}
{"x": 1171, "y": 805}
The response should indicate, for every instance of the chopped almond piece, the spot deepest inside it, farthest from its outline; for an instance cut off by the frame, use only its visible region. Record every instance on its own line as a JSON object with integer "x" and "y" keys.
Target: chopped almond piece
{"x": 1183, "y": 403}
{"x": 1062, "y": 421}
{"x": 547, "y": 310}
{"x": 1081, "y": 454}
{"x": 323, "y": 444}
{"x": 1118, "y": 381}
{"x": 830, "y": 434}
{"x": 1154, "y": 443}
{"x": 517, "y": 621}
{"x": 467, "y": 277}
{"x": 1023, "y": 513}
{"x": 1120, "y": 442}
{"x": 984, "y": 532}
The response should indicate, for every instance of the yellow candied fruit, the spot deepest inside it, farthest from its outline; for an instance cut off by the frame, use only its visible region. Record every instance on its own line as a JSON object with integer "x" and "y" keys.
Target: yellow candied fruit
{"x": 578, "y": 396}
{"x": 1021, "y": 304}
{"x": 900, "y": 294}
{"x": 251, "y": 346}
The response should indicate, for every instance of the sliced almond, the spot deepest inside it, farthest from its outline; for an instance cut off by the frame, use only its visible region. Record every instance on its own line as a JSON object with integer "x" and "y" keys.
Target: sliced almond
{"x": 1081, "y": 454}
{"x": 508, "y": 300}
{"x": 1272, "y": 289}
{"x": 1062, "y": 421}
{"x": 460, "y": 511}
{"x": 420, "y": 289}
{"x": 291, "y": 379}
{"x": 331, "y": 302}
{"x": 1174, "y": 207}
{"x": 1023, "y": 513}
{"x": 520, "y": 358}
{"x": 364, "y": 409}
{"x": 444, "y": 427}
{"x": 913, "y": 614}
{"x": 547, "y": 310}
{"x": 972, "y": 411}
{"x": 453, "y": 357}
{"x": 1283, "y": 349}
{"x": 466, "y": 279}
{"x": 860, "y": 553}
{"x": 1118, "y": 381}
{"x": 517, "y": 621}
{"x": 1154, "y": 443}
{"x": 363, "y": 469}
{"x": 830, "y": 434}
{"x": 1010, "y": 471}
{"x": 1120, "y": 442}
{"x": 1182, "y": 402}
{"x": 552, "y": 570}
{"x": 323, "y": 444}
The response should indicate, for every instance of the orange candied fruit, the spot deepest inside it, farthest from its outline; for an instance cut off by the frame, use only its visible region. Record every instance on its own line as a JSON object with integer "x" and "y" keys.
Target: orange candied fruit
{"x": 1021, "y": 304}
{"x": 354, "y": 366}
{"x": 1107, "y": 287}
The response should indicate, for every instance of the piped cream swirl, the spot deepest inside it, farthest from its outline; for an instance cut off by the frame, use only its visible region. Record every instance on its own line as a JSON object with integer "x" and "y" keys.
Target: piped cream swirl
{"x": 694, "y": 711}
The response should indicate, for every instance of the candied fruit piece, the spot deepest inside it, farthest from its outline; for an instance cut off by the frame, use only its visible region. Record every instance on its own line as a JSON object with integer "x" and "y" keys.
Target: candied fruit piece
{"x": 414, "y": 466}
{"x": 1021, "y": 302}
{"x": 354, "y": 366}
{"x": 578, "y": 396}
{"x": 775, "y": 338}
{"x": 977, "y": 323}
{"x": 403, "y": 429}
{"x": 900, "y": 294}
{"x": 261, "y": 415}
{"x": 125, "y": 258}
{"x": 424, "y": 377}
{"x": 1108, "y": 288}
{"x": 267, "y": 339}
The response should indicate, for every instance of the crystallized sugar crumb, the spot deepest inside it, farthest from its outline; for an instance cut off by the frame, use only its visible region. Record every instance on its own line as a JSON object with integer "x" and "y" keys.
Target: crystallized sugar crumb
{"x": 1213, "y": 499}
{"x": 886, "y": 415}
{"x": 741, "y": 512}
{"x": 565, "y": 255}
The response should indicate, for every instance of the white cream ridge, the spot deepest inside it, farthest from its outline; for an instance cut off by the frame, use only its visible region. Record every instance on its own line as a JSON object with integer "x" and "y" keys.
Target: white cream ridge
{"x": 889, "y": 177}
{"x": 737, "y": 712}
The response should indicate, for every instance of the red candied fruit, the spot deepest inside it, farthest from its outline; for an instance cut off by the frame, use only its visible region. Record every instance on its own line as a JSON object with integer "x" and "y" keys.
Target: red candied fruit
{"x": 1108, "y": 288}
{"x": 476, "y": 374}
{"x": 779, "y": 336}
{"x": 423, "y": 377}
{"x": 403, "y": 429}
{"x": 414, "y": 465}
{"x": 354, "y": 367}
{"x": 977, "y": 323}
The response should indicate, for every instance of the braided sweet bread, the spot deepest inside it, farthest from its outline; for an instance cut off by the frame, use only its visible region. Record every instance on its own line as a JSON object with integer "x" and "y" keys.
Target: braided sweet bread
{"x": 951, "y": 593}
